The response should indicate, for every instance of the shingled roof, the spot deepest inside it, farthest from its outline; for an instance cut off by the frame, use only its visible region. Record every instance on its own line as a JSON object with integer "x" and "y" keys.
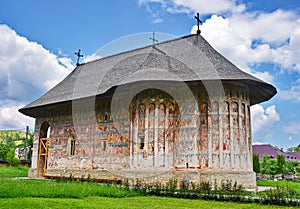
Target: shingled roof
{"x": 190, "y": 58}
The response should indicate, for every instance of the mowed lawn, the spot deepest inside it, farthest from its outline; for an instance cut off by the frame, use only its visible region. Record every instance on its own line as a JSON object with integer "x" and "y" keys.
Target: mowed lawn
{"x": 24, "y": 193}
{"x": 294, "y": 185}
{"x": 12, "y": 172}
{"x": 145, "y": 202}
{"x": 53, "y": 194}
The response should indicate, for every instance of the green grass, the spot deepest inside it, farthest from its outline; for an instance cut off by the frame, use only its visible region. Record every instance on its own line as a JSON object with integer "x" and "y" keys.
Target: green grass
{"x": 12, "y": 172}
{"x": 59, "y": 189}
{"x": 28, "y": 193}
{"x": 65, "y": 194}
{"x": 271, "y": 183}
{"x": 146, "y": 202}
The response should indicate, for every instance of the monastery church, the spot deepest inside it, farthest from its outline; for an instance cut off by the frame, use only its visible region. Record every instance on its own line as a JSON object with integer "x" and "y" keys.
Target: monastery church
{"x": 176, "y": 109}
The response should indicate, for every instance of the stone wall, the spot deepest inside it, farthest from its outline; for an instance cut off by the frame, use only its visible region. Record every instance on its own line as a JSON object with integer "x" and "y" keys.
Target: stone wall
{"x": 152, "y": 177}
{"x": 210, "y": 137}
{"x": 286, "y": 176}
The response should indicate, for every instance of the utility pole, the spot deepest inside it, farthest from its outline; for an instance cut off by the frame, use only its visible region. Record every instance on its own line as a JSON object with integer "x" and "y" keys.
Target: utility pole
{"x": 26, "y": 146}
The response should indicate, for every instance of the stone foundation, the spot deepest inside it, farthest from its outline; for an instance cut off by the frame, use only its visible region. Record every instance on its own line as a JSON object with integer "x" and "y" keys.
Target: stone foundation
{"x": 32, "y": 173}
{"x": 246, "y": 179}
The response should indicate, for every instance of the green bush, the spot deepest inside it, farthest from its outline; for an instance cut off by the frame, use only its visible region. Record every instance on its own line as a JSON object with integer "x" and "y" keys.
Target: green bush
{"x": 268, "y": 166}
{"x": 11, "y": 159}
{"x": 280, "y": 195}
{"x": 3, "y": 150}
{"x": 256, "y": 165}
{"x": 280, "y": 164}
{"x": 298, "y": 169}
{"x": 291, "y": 166}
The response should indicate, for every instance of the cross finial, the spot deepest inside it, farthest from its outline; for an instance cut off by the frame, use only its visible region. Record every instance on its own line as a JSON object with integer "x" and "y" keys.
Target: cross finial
{"x": 78, "y": 56}
{"x": 198, "y": 23}
{"x": 153, "y": 38}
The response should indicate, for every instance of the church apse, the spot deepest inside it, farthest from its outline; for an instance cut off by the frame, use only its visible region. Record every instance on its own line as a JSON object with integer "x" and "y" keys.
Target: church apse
{"x": 154, "y": 122}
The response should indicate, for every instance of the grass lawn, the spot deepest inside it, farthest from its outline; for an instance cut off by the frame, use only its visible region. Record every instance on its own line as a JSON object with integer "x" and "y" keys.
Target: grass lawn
{"x": 12, "y": 172}
{"x": 65, "y": 194}
{"x": 146, "y": 202}
{"x": 10, "y": 188}
{"x": 294, "y": 185}
{"x": 29, "y": 193}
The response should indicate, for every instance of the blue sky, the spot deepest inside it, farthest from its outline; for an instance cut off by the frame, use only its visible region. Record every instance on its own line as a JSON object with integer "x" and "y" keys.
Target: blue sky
{"x": 262, "y": 37}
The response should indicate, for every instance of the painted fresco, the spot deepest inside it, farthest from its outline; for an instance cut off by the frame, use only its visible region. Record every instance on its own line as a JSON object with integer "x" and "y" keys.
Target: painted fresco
{"x": 154, "y": 126}
{"x": 155, "y": 133}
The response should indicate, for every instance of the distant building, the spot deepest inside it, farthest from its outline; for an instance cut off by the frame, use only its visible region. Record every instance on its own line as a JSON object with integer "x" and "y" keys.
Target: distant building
{"x": 267, "y": 149}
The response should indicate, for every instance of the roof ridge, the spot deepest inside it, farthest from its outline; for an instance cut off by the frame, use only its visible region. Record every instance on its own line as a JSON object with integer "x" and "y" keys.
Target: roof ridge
{"x": 141, "y": 48}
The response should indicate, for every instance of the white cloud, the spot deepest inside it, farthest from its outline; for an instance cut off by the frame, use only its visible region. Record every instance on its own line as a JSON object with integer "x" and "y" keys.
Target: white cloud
{"x": 293, "y": 93}
{"x": 27, "y": 70}
{"x": 189, "y": 6}
{"x": 263, "y": 119}
{"x": 249, "y": 38}
{"x": 211, "y": 7}
{"x": 292, "y": 128}
{"x": 265, "y": 76}
{"x": 10, "y": 118}
{"x": 244, "y": 37}
{"x": 156, "y": 14}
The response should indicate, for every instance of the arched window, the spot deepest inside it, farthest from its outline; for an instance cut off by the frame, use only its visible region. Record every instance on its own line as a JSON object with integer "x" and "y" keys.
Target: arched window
{"x": 71, "y": 145}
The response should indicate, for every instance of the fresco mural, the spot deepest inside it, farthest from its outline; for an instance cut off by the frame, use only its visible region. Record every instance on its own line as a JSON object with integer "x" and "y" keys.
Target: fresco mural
{"x": 154, "y": 132}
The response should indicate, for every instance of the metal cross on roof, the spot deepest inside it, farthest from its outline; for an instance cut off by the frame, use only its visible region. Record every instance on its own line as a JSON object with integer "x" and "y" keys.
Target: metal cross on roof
{"x": 78, "y": 56}
{"x": 153, "y": 38}
{"x": 198, "y": 23}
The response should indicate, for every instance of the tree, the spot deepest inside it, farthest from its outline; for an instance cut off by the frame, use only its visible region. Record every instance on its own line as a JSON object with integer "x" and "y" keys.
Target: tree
{"x": 11, "y": 158}
{"x": 6, "y": 146}
{"x": 280, "y": 164}
{"x": 293, "y": 149}
{"x": 290, "y": 166}
{"x": 268, "y": 166}
{"x": 3, "y": 150}
{"x": 256, "y": 166}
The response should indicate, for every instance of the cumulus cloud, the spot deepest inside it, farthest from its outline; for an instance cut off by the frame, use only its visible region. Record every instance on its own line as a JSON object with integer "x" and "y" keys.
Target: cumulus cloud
{"x": 244, "y": 37}
{"x": 27, "y": 70}
{"x": 202, "y": 6}
{"x": 10, "y": 118}
{"x": 263, "y": 119}
{"x": 253, "y": 38}
{"x": 293, "y": 93}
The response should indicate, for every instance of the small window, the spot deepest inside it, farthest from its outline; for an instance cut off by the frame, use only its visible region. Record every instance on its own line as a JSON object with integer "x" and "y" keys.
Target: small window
{"x": 71, "y": 146}
{"x": 72, "y": 151}
{"x": 142, "y": 143}
{"x": 104, "y": 145}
